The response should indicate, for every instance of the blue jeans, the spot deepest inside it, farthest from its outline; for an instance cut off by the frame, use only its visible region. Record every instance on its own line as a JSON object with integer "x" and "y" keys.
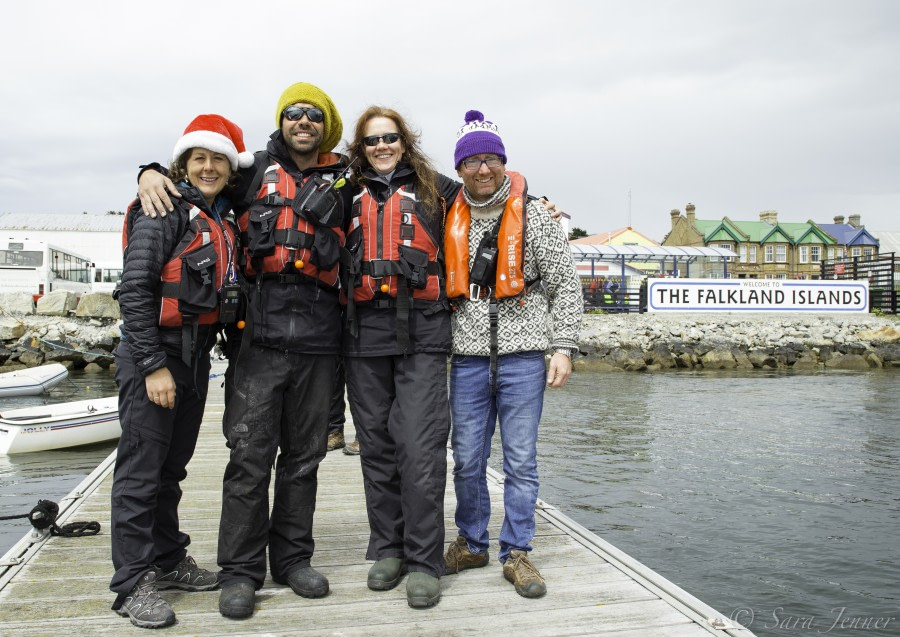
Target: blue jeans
{"x": 521, "y": 378}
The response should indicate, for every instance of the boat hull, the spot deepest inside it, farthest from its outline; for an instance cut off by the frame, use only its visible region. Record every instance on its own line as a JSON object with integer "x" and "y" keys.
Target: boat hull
{"x": 59, "y": 426}
{"x": 32, "y": 380}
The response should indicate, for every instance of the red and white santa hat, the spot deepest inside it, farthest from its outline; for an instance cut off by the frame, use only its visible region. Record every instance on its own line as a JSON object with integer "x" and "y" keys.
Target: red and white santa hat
{"x": 215, "y": 133}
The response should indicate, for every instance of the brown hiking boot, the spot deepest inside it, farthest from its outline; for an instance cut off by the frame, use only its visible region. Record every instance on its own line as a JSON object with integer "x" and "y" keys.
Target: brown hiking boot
{"x": 519, "y": 570}
{"x": 352, "y": 449}
{"x": 459, "y": 557}
{"x": 335, "y": 440}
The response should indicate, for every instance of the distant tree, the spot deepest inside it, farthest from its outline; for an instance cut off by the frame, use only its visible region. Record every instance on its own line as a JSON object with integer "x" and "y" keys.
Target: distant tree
{"x": 577, "y": 233}
{"x": 114, "y": 212}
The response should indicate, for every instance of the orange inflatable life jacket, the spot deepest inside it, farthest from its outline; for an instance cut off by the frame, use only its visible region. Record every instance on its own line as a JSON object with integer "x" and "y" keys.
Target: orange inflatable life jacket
{"x": 510, "y": 278}
{"x": 281, "y": 240}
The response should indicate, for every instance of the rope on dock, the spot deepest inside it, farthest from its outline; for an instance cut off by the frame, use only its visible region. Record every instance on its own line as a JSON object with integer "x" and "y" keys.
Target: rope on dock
{"x": 43, "y": 516}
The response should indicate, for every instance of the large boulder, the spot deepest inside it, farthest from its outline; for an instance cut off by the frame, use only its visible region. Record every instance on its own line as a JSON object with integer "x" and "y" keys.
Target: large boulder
{"x": 848, "y": 361}
{"x": 98, "y": 357}
{"x": 886, "y": 334}
{"x": 719, "y": 358}
{"x": 98, "y": 305}
{"x": 56, "y": 352}
{"x": 762, "y": 359}
{"x": 10, "y": 329}
{"x": 17, "y": 303}
{"x": 56, "y": 303}
{"x": 31, "y": 358}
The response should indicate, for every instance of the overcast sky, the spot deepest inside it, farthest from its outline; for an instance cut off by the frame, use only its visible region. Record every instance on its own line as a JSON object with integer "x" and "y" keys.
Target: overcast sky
{"x": 738, "y": 107}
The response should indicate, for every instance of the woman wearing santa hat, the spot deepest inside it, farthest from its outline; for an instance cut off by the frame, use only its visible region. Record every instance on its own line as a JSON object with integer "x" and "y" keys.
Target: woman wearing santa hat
{"x": 177, "y": 270}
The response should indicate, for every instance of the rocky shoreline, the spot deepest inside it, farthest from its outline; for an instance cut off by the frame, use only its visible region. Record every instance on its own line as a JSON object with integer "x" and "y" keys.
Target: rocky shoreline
{"x": 58, "y": 329}
{"x": 83, "y": 335}
{"x": 649, "y": 342}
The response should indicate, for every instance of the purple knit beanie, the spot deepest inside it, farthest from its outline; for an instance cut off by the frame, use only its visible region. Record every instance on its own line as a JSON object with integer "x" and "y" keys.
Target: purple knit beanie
{"x": 477, "y": 136}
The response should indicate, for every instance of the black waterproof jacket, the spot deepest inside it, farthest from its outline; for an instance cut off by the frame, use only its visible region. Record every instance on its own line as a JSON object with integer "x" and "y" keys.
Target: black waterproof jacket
{"x": 302, "y": 317}
{"x": 151, "y": 243}
{"x": 377, "y": 327}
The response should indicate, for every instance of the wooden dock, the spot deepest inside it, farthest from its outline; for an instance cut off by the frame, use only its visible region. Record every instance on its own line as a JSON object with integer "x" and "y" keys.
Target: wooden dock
{"x": 59, "y": 586}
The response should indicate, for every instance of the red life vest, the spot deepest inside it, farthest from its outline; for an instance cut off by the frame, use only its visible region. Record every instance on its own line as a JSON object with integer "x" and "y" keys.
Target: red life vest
{"x": 510, "y": 279}
{"x": 279, "y": 241}
{"x": 397, "y": 248}
{"x": 195, "y": 271}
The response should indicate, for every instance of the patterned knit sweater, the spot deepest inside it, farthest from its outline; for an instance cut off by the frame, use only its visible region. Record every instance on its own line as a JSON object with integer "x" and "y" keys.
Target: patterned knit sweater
{"x": 551, "y": 314}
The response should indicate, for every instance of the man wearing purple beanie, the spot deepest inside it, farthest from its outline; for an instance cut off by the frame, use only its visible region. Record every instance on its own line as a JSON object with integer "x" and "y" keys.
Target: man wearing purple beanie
{"x": 509, "y": 270}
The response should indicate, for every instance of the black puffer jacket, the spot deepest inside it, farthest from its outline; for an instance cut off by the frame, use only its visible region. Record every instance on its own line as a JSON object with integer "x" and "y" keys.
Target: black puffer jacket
{"x": 151, "y": 243}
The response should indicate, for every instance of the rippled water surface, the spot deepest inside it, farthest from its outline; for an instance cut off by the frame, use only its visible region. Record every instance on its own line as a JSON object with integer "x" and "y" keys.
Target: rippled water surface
{"x": 773, "y": 497}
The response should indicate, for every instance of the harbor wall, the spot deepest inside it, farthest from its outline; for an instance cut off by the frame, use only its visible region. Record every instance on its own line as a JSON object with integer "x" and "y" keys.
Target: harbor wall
{"x": 83, "y": 334}
{"x": 733, "y": 340}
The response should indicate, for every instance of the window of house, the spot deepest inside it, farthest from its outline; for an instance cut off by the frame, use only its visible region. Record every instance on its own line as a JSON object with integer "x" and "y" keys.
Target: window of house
{"x": 830, "y": 254}
{"x": 855, "y": 252}
{"x": 752, "y": 254}
{"x": 804, "y": 254}
{"x": 742, "y": 253}
{"x": 770, "y": 254}
{"x": 868, "y": 252}
{"x": 815, "y": 253}
{"x": 781, "y": 253}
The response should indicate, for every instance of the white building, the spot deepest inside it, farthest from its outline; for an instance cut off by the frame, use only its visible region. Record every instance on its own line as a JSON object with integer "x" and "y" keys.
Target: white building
{"x": 96, "y": 236}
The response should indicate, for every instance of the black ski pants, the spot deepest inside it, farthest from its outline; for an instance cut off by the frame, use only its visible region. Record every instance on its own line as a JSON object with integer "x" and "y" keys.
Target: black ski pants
{"x": 154, "y": 449}
{"x": 400, "y": 408}
{"x": 278, "y": 401}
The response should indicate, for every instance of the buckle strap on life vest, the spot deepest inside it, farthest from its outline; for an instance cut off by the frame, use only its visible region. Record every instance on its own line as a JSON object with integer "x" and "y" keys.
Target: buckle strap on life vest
{"x": 169, "y": 289}
{"x": 494, "y": 325}
{"x": 427, "y": 307}
{"x": 494, "y": 319}
{"x": 380, "y": 268}
{"x": 290, "y": 238}
{"x": 190, "y": 329}
{"x": 291, "y": 278}
{"x": 275, "y": 200}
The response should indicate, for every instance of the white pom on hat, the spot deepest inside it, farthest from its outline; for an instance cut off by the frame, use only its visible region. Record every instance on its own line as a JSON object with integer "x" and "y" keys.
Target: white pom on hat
{"x": 218, "y": 134}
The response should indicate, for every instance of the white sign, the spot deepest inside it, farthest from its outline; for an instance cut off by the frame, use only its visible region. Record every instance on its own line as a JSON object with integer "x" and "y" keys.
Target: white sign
{"x": 756, "y": 295}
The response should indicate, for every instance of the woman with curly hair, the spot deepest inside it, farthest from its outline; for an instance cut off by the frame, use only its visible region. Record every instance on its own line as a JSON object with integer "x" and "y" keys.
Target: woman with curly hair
{"x": 395, "y": 350}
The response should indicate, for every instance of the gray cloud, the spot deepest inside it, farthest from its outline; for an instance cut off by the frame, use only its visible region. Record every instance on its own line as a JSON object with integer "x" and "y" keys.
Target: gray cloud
{"x": 737, "y": 107}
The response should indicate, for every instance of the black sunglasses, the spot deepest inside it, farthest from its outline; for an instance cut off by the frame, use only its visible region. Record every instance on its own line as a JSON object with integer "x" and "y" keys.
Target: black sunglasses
{"x": 295, "y": 113}
{"x": 389, "y": 138}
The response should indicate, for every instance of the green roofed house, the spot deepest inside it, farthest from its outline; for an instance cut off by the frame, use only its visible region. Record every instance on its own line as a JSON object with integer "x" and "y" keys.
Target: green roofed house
{"x": 770, "y": 249}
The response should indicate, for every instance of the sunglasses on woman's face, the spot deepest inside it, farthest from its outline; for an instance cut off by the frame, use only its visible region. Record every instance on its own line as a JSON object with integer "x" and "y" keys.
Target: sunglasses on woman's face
{"x": 389, "y": 138}
{"x": 296, "y": 113}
